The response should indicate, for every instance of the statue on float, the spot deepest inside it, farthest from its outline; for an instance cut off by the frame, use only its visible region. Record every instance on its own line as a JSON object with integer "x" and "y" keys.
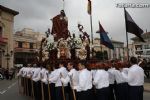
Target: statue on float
{"x": 84, "y": 51}
{"x": 63, "y": 49}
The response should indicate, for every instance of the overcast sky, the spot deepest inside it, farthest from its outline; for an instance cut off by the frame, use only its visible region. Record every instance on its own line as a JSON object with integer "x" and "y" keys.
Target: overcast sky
{"x": 36, "y": 14}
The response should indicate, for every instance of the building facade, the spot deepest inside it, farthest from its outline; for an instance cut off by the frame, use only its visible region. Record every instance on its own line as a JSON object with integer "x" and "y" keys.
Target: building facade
{"x": 142, "y": 49}
{"x": 26, "y": 46}
{"x": 117, "y": 53}
{"x": 6, "y": 36}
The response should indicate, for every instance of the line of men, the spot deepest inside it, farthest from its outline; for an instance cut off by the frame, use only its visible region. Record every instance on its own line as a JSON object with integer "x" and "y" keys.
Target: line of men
{"x": 102, "y": 83}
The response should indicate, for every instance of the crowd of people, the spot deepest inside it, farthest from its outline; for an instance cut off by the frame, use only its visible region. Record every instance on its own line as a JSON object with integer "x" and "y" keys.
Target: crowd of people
{"x": 6, "y": 73}
{"x": 105, "y": 82}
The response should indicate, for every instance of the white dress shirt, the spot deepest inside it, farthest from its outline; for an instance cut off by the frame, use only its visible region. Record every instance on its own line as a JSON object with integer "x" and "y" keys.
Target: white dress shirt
{"x": 85, "y": 80}
{"x": 30, "y": 72}
{"x": 45, "y": 76}
{"x": 20, "y": 73}
{"x": 125, "y": 70}
{"x": 135, "y": 76}
{"x": 93, "y": 71}
{"x": 119, "y": 77}
{"x": 111, "y": 76}
{"x": 40, "y": 75}
{"x": 61, "y": 72}
{"x": 72, "y": 78}
{"x": 25, "y": 70}
{"x": 101, "y": 79}
{"x": 35, "y": 73}
{"x": 52, "y": 75}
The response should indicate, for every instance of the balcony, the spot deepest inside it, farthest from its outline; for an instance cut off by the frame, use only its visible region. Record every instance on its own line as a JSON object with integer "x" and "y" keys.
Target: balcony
{"x": 3, "y": 40}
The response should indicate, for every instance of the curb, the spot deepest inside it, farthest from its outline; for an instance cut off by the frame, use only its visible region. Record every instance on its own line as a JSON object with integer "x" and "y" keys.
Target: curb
{"x": 147, "y": 91}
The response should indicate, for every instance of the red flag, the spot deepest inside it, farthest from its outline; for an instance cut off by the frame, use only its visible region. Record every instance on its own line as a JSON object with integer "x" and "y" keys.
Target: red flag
{"x": 89, "y": 7}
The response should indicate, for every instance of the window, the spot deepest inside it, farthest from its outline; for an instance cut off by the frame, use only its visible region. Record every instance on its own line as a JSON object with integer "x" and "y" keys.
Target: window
{"x": 34, "y": 46}
{"x": 25, "y": 45}
{"x": 146, "y": 46}
{"x": 139, "y": 52}
{"x": 148, "y": 53}
{"x": 138, "y": 47}
{"x": 20, "y": 44}
{"x": 16, "y": 44}
{"x": 31, "y": 45}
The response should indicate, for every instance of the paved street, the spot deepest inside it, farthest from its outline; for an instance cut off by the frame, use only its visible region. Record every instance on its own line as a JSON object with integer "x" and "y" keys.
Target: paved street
{"x": 9, "y": 90}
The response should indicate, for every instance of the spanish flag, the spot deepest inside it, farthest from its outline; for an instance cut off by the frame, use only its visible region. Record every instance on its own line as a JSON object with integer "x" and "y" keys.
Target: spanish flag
{"x": 89, "y": 7}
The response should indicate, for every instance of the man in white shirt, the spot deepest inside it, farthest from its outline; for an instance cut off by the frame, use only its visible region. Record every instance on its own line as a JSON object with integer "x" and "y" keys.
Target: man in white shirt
{"x": 111, "y": 81}
{"x": 52, "y": 83}
{"x": 84, "y": 87}
{"x": 101, "y": 82}
{"x": 37, "y": 84}
{"x": 72, "y": 79}
{"x": 29, "y": 75}
{"x": 44, "y": 81}
{"x": 135, "y": 79}
{"x": 21, "y": 74}
{"x": 61, "y": 88}
{"x": 25, "y": 81}
{"x": 121, "y": 89}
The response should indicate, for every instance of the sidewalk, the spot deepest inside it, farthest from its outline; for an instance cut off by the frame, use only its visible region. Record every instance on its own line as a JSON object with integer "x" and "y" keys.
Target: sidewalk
{"x": 147, "y": 87}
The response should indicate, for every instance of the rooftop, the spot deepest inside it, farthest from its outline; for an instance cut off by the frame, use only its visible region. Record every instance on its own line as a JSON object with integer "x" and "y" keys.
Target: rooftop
{"x": 9, "y": 10}
{"x": 114, "y": 41}
{"x": 144, "y": 35}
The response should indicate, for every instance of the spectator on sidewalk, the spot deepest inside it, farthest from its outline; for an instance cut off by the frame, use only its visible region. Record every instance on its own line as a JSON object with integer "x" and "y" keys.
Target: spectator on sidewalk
{"x": 6, "y": 73}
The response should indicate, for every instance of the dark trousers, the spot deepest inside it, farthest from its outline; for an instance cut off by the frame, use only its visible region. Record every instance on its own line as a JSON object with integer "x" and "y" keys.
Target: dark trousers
{"x": 94, "y": 93}
{"x": 102, "y": 94}
{"x": 122, "y": 91}
{"x": 26, "y": 86}
{"x": 22, "y": 83}
{"x": 72, "y": 93}
{"x": 37, "y": 90}
{"x": 52, "y": 91}
{"x": 136, "y": 92}
{"x": 112, "y": 92}
{"x": 46, "y": 93}
{"x": 6, "y": 74}
{"x": 29, "y": 87}
{"x": 85, "y": 95}
{"x": 59, "y": 93}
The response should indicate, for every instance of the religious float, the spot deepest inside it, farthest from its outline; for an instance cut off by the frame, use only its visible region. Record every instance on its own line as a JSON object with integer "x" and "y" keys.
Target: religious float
{"x": 61, "y": 45}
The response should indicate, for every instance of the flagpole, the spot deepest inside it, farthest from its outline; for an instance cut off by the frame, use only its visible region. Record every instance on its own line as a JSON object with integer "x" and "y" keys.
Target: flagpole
{"x": 64, "y": 5}
{"x": 126, "y": 36}
{"x": 102, "y": 52}
{"x": 91, "y": 28}
{"x": 90, "y": 13}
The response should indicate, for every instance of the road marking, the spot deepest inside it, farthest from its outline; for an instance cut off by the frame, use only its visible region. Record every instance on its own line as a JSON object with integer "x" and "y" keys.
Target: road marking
{"x": 10, "y": 86}
{"x": 3, "y": 92}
